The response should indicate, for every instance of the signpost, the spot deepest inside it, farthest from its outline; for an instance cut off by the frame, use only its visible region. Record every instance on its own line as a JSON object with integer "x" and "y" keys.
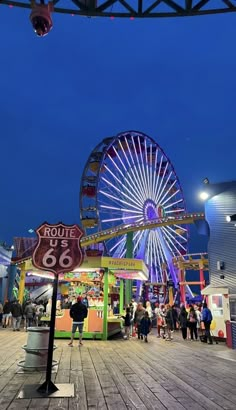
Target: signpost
{"x": 58, "y": 251}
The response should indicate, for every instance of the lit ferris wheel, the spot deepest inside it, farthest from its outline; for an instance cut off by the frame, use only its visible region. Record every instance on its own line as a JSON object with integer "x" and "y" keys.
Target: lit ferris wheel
{"x": 128, "y": 179}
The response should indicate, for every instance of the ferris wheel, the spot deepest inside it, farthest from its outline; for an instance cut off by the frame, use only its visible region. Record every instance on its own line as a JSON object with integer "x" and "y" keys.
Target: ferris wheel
{"x": 128, "y": 179}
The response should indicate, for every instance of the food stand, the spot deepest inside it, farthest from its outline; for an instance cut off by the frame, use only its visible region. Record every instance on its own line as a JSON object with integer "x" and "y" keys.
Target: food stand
{"x": 99, "y": 278}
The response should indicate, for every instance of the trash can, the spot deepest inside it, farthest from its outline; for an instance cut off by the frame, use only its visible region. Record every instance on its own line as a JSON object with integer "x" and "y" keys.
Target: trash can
{"x": 36, "y": 350}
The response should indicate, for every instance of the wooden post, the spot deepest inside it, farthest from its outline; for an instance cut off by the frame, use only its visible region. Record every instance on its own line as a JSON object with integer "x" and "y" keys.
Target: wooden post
{"x": 121, "y": 304}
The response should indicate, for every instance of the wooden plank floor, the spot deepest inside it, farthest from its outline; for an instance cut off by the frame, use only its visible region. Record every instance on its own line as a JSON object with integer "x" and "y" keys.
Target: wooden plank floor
{"x": 123, "y": 374}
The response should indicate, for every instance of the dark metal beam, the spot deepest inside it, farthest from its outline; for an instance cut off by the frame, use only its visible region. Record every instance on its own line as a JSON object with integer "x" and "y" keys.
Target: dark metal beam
{"x": 178, "y": 8}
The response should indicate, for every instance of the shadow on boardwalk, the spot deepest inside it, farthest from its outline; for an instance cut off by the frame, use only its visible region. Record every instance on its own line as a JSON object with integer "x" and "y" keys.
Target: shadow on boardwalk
{"x": 122, "y": 374}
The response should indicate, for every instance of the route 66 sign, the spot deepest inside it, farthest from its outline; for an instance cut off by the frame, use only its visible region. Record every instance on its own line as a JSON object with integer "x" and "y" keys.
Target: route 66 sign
{"x": 58, "y": 249}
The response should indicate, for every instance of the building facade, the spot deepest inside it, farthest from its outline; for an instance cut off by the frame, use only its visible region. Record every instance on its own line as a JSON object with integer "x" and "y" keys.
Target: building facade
{"x": 222, "y": 235}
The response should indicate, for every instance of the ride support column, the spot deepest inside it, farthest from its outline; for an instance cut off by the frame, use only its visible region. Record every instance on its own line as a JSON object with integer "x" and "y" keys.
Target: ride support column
{"x": 22, "y": 283}
{"x": 182, "y": 286}
{"x": 105, "y": 307}
{"x": 129, "y": 254}
{"x": 121, "y": 304}
{"x": 12, "y": 271}
{"x": 202, "y": 279}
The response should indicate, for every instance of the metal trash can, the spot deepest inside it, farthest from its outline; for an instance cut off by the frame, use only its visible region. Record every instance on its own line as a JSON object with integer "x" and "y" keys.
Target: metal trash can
{"x": 36, "y": 350}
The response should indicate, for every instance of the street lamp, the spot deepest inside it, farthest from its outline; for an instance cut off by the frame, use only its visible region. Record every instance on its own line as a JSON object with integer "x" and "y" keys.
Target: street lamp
{"x": 204, "y": 196}
{"x": 231, "y": 218}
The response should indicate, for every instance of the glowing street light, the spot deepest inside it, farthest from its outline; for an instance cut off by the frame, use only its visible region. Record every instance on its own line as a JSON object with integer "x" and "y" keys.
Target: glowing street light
{"x": 204, "y": 196}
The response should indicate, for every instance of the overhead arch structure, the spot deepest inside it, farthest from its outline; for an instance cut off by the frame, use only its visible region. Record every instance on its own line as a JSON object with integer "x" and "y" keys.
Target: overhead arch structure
{"x": 134, "y": 8}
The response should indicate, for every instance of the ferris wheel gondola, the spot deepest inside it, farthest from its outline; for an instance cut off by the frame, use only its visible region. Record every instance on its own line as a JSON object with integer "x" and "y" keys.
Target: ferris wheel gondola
{"x": 128, "y": 179}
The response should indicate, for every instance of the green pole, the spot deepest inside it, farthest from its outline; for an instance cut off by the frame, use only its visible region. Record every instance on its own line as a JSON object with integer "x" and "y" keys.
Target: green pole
{"x": 105, "y": 307}
{"x": 121, "y": 305}
{"x": 129, "y": 254}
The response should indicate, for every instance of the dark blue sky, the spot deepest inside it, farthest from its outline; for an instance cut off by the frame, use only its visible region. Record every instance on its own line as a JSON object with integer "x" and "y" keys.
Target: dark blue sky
{"x": 173, "y": 79}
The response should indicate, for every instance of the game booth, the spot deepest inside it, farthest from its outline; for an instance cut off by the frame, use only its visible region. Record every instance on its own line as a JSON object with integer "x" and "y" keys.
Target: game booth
{"x": 102, "y": 281}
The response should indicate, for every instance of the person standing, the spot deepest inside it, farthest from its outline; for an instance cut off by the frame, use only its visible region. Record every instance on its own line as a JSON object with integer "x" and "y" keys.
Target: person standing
{"x": 199, "y": 316}
{"x": 183, "y": 320}
{"x": 85, "y": 301}
{"x": 78, "y": 312}
{"x": 175, "y": 316}
{"x": 16, "y": 310}
{"x": 192, "y": 319}
{"x": 157, "y": 312}
{"x": 145, "y": 326}
{"x": 207, "y": 319}
{"x": 169, "y": 322}
{"x": 39, "y": 311}
{"x": 29, "y": 314}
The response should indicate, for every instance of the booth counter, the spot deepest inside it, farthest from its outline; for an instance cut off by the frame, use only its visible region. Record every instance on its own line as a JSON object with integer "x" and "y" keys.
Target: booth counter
{"x": 93, "y": 324}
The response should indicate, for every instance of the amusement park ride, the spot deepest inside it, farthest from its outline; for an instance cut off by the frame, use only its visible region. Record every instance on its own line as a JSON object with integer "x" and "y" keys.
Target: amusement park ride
{"x": 42, "y": 21}
{"x": 132, "y": 205}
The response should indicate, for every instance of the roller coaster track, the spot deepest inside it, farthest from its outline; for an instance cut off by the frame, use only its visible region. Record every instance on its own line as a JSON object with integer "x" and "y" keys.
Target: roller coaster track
{"x": 124, "y": 229}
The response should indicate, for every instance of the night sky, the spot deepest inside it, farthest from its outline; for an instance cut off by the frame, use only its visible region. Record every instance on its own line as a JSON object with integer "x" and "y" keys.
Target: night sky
{"x": 173, "y": 79}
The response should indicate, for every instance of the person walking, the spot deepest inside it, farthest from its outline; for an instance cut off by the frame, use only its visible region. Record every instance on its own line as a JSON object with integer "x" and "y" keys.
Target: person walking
{"x": 6, "y": 313}
{"x": 16, "y": 310}
{"x": 207, "y": 319}
{"x": 127, "y": 318}
{"x": 78, "y": 312}
{"x": 139, "y": 314}
{"x": 183, "y": 321}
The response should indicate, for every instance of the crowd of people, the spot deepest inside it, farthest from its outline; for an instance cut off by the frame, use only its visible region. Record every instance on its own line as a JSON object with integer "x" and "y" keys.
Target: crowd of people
{"x": 12, "y": 314}
{"x": 139, "y": 318}
{"x": 193, "y": 321}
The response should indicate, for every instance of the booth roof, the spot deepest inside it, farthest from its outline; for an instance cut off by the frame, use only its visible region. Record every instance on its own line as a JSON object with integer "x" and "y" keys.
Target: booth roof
{"x": 215, "y": 290}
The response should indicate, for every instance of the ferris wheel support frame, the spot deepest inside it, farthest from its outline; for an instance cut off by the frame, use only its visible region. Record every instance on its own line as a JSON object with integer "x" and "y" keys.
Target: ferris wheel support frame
{"x": 129, "y": 10}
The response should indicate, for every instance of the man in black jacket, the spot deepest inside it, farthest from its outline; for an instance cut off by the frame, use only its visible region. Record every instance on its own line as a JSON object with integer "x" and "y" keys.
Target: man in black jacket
{"x": 78, "y": 312}
{"x": 16, "y": 311}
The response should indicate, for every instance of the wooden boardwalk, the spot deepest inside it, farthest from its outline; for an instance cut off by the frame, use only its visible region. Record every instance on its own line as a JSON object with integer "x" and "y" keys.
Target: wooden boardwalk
{"x": 123, "y": 374}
